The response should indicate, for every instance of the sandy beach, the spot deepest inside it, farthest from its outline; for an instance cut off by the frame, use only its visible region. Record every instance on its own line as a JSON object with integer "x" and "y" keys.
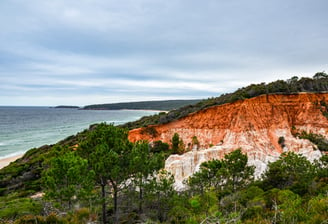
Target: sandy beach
{"x": 4, "y": 162}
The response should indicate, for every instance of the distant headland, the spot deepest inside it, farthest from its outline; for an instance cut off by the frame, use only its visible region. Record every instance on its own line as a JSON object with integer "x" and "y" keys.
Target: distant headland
{"x": 67, "y": 107}
{"x": 164, "y": 105}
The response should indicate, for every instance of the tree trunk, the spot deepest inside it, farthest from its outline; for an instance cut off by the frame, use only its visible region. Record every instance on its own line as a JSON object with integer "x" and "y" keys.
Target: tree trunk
{"x": 115, "y": 195}
{"x": 115, "y": 204}
{"x": 104, "y": 210}
{"x": 140, "y": 196}
{"x": 159, "y": 208}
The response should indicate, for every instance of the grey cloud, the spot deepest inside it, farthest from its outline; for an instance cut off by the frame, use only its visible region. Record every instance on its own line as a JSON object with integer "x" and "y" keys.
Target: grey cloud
{"x": 141, "y": 49}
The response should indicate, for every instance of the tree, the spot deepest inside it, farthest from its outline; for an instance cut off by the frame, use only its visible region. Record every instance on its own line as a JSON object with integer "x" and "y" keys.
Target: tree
{"x": 161, "y": 195}
{"x": 290, "y": 207}
{"x": 320, "y": 184}
{"x": 290, "y": 171}
{"x": 322, "y": 167}
{"x": 227, "y": 175}
{"x": 175, "y": 143}
{"x": 318, "y": 209}
{"x": 320, "y": 75}
{"x": 143, "y": 167}
{"x": 238, "y": 173}
{"x": 293, "y": 84}
{"x": 68, "y": 179}
{"x": 178, "y": 146}
{"x": 209, "y": 176}
{"x": 107, "y": 148}
{"x": 159, "y": 146}
{"x": 195, "y": 142}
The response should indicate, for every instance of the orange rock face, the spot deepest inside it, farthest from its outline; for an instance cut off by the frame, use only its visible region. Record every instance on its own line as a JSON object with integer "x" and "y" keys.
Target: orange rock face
{"x": 256, "y": 123}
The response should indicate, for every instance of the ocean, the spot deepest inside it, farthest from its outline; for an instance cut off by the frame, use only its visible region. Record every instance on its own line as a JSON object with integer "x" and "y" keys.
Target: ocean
{"x": 23, "y": 128}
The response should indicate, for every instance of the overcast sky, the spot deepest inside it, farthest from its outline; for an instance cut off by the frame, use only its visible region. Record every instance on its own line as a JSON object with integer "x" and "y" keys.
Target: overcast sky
{"x": 64, "y": 52}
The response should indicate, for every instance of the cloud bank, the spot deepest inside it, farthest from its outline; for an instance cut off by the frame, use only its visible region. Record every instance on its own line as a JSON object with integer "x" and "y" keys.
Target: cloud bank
{"x": 103, "y": 51}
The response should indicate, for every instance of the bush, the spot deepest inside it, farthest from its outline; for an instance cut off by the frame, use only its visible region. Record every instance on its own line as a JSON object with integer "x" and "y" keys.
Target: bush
{"x": 281, "y": 141}
{"x": 31, "y": 219}
{"x": 81, "y": 215}
{"x": 19, "y": 207}
{"x": 316, "y": 139}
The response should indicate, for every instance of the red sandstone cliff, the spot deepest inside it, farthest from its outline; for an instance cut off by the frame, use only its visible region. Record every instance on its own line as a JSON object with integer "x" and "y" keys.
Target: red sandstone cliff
{"x": 253, "y": 124}
{"x": 266, "y": 113}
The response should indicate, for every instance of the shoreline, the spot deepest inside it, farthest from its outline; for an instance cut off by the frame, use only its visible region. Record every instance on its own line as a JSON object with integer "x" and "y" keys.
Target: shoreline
{"x": 6, "y": 161}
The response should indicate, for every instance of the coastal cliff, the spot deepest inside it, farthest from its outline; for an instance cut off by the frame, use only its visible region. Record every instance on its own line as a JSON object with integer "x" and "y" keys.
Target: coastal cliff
{"x": 255, "y": 125}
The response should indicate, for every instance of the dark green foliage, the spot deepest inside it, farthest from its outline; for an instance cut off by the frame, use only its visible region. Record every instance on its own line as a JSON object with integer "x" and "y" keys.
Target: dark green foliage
{"x": 175, "y": 143}
{"x": 150, "y": 130}
{"x": 291, "y": 171}
{"x": 281, "y": 141}
{"x": 79, "y": 216}
{"x": 322, "y": 167}
{"x": 239, "y": 174}
{"x": 264, "y": 203}
{"x": 320, "y": 141}
{"x": 194, "y": 142}
{"x": 209, "y": 176}
{"x": 320, "y": 180}
{"x": 159, "y": 146}
{"x": 66, "y": 107}
{"x": 50, "y": 219}
{"x": 23, "y": 175}
{"x": 107, "y": 150}
{"x": 14, "y": 208}
{"x": 143, "y": 167}
{"x": 292, "y": 190}
{"x": 225, "y": 176}
{"x": 143, "y": 122}
{"x": 324, "y": 108}
{"x": 252, "y": 199}
{"x": 178, "y": 146}
{"x": 160, "y": 196}
{"x": 68, "y": 180}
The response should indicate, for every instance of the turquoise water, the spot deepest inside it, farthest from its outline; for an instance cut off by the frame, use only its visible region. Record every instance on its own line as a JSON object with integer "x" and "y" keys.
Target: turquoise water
{"x": 23, "y": 128}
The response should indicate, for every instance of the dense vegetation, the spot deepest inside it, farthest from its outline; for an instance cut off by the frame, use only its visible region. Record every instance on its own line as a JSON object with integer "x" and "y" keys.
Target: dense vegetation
{"x": 319, "y": 83}
{"x": 143, "y": 105}
{"x": 108, "y": 179}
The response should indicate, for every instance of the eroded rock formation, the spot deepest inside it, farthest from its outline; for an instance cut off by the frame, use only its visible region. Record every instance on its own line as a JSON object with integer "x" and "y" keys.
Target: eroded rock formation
{"x": 254, "y": 125}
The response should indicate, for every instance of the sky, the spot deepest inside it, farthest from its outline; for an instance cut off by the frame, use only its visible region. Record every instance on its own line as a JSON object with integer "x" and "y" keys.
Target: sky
{"x": 65, "y": 52}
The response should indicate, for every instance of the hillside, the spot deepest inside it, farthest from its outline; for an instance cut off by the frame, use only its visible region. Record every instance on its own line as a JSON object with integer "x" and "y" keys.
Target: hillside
{"x": 193, "y": 123}
{"x": 143, "y": 105}
{"x": 319, "y": 83}
{"x": 263, "y": 127}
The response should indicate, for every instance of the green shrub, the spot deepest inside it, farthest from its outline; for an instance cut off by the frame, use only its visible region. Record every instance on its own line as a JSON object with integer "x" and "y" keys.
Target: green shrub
{"x": 281, "y": 141}
{"x": 31, "y": 219}
{"x": 54, "y": 219}
{"x": 317, "y": 139}
{"x": 81, "y": 215}
{"x": 19, "y": 207}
